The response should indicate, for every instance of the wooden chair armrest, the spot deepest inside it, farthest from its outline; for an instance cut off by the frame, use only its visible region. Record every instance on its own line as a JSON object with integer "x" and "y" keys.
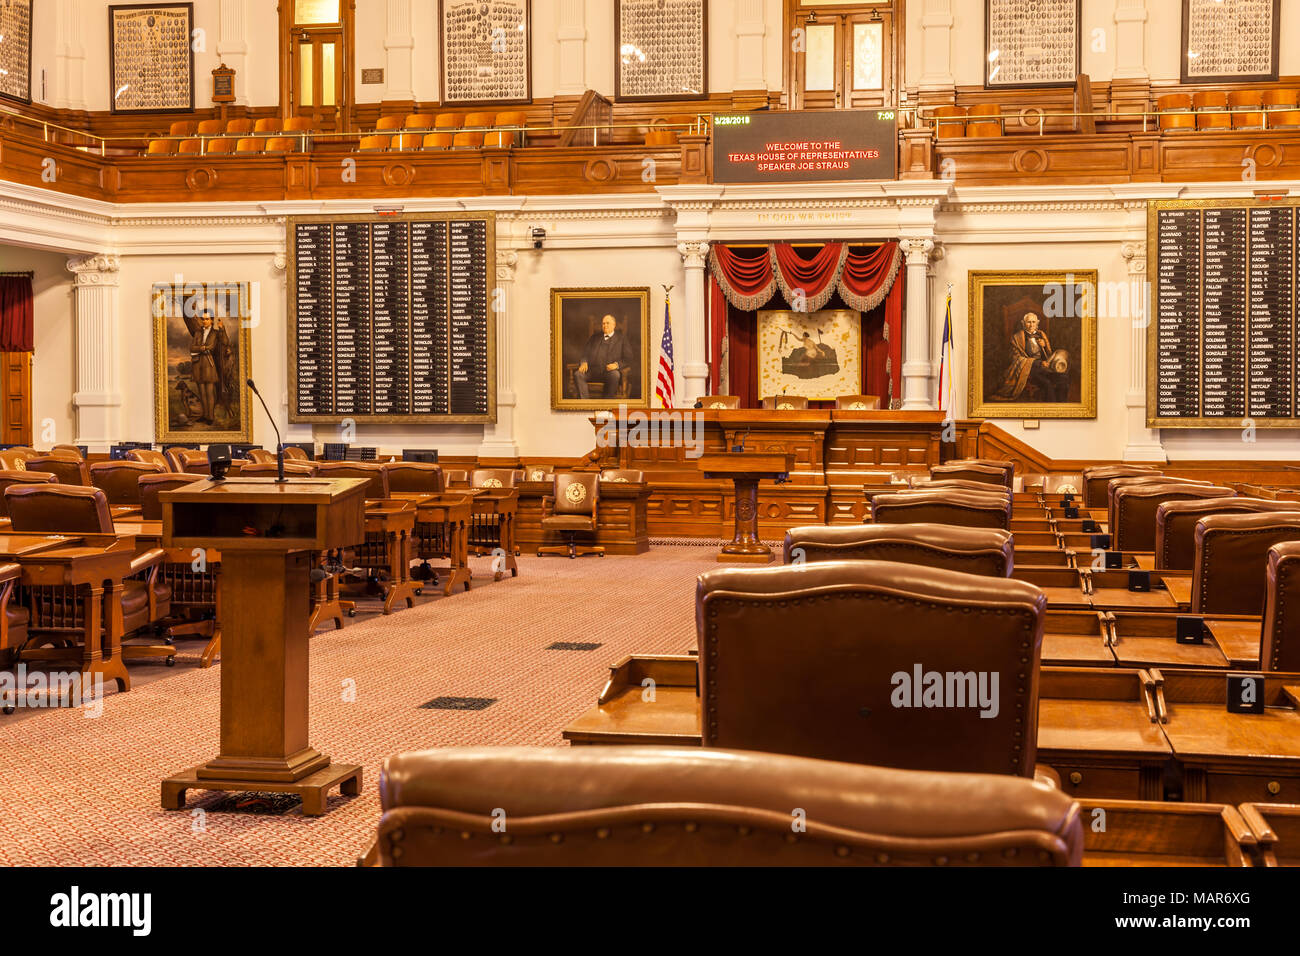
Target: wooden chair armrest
{"x": 149, "y": 559}
{"x": 10, "y": 572}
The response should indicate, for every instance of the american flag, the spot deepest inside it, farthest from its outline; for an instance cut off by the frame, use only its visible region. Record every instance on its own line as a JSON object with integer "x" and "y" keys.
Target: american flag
{"x": 664, "y": 385}
{"x": 946, "y": 402}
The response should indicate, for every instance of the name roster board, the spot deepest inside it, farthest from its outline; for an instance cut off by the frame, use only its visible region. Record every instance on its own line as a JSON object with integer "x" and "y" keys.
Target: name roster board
{"x": 1221, "y": 345}
{"x": 390, "y": 318}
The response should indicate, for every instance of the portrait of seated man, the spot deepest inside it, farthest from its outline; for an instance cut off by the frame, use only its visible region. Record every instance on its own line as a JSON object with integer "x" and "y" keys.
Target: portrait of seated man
{"x": 606, "y": 357}
{"x": 1034, "y": 367}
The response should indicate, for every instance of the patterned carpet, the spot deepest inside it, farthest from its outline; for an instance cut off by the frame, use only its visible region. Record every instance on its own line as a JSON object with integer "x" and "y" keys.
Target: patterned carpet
{"x": 80, "y": 791}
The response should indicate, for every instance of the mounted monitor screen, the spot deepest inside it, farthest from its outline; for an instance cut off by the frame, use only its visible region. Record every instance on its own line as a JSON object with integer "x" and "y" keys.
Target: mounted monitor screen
{"x": 805, "y": 146}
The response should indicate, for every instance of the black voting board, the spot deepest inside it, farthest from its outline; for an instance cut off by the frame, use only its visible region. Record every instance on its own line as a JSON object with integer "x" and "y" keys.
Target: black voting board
{"x": 391, "y": 318}
{"x": 1222, "y": 337}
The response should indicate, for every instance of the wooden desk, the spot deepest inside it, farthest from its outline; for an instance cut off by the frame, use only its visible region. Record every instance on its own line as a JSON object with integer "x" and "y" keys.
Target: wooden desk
{"x": 1276, "y": 828}
{"x": 621, "y": 519}
{"x": 746, "y": 470}
{"x": 266, "y": 530}
{"x": 1151, "y": 833}
{"x": 442, "y": 531}
{"x": 387, "y": 549}
{"x": 623, "y": 715}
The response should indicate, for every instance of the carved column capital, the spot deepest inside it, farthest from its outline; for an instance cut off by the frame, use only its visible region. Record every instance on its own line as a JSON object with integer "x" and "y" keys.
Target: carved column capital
{"x": 917, "y": 250}
{"x": 506, "y": 262}
{"x": 98, "y": 269}
{"x": 693, "y": 253}
{"x": 1135, "y": 254}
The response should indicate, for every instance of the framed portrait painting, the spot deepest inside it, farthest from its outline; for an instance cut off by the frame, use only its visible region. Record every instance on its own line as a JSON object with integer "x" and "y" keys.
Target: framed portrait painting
{"x": 600, "y": 348}
{"x": 661, "y": 49}
{"x": 486, "y": 51}
{"x": 1031, "y": 43}
{"x": 201, "y": 362}
{"x": 1033, "y": 345}
{"x": 16, "y": 49}
{"x": 151, "y": 58}
{"x": 1230, "y": 42}
{"x": 814, "y": 355}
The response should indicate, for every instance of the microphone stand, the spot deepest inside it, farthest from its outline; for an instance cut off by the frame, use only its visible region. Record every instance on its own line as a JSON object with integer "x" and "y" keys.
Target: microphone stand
{"x": 279, "y": 444}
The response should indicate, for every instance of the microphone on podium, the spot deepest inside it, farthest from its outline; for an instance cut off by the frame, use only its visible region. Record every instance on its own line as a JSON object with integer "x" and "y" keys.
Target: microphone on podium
{"x": 279, "y": 445}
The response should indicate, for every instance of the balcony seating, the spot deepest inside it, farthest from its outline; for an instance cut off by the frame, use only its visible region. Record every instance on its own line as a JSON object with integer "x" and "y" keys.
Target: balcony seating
{"x": 950, "y": 121}
{"x": 267, "y": 124}
{"x": 186, "y": 127}
{"x": 449, "y": 121}
{"x": 298, "y": 124}
{"x": 250, "y": 144}
{"x": 161, "y": 147}
{"x": 1246, "y": 105}
{"x": 188, "y": 146}
{"x": 374, "y": 143}
{"x": 437, "y": 140}
{"x": 220, "y": 146}
{"x": 210, "y": 128}
{"x": 281, "y": 144}
{"x": 239, "y": 127}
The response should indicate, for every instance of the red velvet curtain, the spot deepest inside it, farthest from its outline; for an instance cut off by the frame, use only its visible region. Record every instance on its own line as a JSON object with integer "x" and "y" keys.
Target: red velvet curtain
{"x": 17, "y": 330}
{"x": 745, "y": 279}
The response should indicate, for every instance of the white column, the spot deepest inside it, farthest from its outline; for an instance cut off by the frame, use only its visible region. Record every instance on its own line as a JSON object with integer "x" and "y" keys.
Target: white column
{"x": 70, "y": 59}
{"x": 1143, "y": 443}
{"x": 399, "y": 43}
{"x": 694, "y": 369}
{"x": 1130, "y": 40}
{"x": 936, "y": 46}
{"x": 232, "y": 46}
{"x": 98, "y": 398}
{"x": 571, "y": 48}
{"x": 499, "y": 438}
{"x": 751, "y": 42}
{"x": 917, "y": 384}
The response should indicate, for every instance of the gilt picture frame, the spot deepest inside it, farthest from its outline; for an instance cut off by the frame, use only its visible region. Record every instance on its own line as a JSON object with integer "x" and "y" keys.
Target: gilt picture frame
{"x": 579, "y": 338}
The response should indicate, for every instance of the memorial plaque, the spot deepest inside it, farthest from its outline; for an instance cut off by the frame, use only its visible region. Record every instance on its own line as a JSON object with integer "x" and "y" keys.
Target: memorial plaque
{"x": 391, "y": 320}
{"x": 1222, "y": 349}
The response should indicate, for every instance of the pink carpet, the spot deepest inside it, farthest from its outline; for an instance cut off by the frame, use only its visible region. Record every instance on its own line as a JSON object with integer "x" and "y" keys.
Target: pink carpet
{"x": 79, "y": 791}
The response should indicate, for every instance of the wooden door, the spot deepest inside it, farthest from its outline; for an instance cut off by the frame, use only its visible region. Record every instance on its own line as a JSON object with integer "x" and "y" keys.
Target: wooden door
{"x": 16, "y": 392}
{"x": 843, "y": 59}
{"x": 317, "y": 76}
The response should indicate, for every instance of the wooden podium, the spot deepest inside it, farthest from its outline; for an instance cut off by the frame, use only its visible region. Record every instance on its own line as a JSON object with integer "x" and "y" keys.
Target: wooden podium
{"x": 265, "y": 532}
{"x": 746, "y": 469}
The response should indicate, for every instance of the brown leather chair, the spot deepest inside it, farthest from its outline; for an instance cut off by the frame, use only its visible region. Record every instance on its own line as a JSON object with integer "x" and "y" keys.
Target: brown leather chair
{"x": 785, "y": 403}
{"x": 374, "y": 472}
{"x": 190, "y": 461}
{"x": 294, "y": 452}
{"x": 618, "y": 475}
{"x": 456, "y": 478}
{"x": 292, "y": 469}
{"x": 151, "y": 485}
{"x": 1176, "y": 525}
{"x": 493, "y": 478}
{"x": 74, "y": 509}
{"x": 71, "y": 451}
{"x": 988, "y": 551}
{"x": 834, "y": 659}
{"x": 570, "y": 511}
{"x": 120, "y": 480}
{"x": 1231, "y": 573}
{"x": 962, "y": 484}
{"x": 414, "y": 477}
{"x": 1280, "y": 650}
{"x": 858, "y": 403}
{"x": 943, "y": 506}
{"x": 261, "y": 456}
{"x": 668, "y": 806}
{"x": 15, "y": 459}
{"x": 1119, "y": 484}
{"x": 1133, "y": 526}
{"x": 14, "y": 618}
{"x": 149, "y": 456}
{"x": 719, "y": 401}
{"x": 976, "y": 469}
{"x": 8, "y": 478}
{"x": 65, "y": 469}
{"x": 1096, "y": 481}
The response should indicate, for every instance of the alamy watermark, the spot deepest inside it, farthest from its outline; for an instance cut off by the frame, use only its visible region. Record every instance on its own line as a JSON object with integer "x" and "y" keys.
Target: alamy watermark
{"x": 636, "y": 428}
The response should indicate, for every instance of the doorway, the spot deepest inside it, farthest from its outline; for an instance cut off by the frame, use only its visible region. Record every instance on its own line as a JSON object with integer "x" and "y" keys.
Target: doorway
{"x": 843, "y": 55}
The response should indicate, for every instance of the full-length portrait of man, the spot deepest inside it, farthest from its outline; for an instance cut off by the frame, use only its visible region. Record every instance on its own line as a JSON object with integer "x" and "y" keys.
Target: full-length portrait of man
{"x": 604, "y": 357}
{"x": 1034, "y": 363}
{"x": 210, "y": 365}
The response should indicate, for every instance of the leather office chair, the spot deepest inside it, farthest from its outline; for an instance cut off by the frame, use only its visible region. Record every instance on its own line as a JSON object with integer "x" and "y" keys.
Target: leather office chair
{"x": 71, "y": 451}
{"x": 977, "y": 469}
{"x": 492, "y": 526}
{"x": 73, "y": 509}
{"x": 374, "y": 472}
{"x": 1176, "y": 525}
{"x": 943, "y": 506}
{"x": 570, "y": 511}
{"x": 261, "y": 456}
{"x": 493, "y": 478}
{"x": 8, "y": 478}
{"x": 1280, "y": 650}
{"x": 669, "y": 806}
{"x": 785, "y": 403}
{"x": 65, "y": 469}
{"x": 1231, "y": 573}
{"x": 149, "y": 456}
{"x": 267, "y": 469}
{"x": 415, "y": 477}
{"x": 120, "y": 480}
{"x": 1097, "y": 479}
{"x": 15, "y": 459}
{"x": 152, "y": 484}
{"x": 190, "y": 461}
{"x": 872, "y": 637}
{"x": 1117, "y": 485}
{"x": 988, "y": 551}
{"x": 961, "y": 484}
{"x": 719, "y": 401}
{"x": 14, "y": 619}
{"x": 622, "y": 475}
{"x": 1134, "y": 524}
{"x": 858, "y": 403}
{"x": 294, "y": 452}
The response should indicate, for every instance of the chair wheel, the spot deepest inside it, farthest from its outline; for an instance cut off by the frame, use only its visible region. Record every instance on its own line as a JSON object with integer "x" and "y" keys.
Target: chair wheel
{"x": 573, "y": 557}
{"x": 600, "y": 554}
{"x": 539, "y": 554}
{"x": 171, "y": 662}
{"x": 352, "y": 612}
{"x": 9, "y": 708}
{"x": 419, "y": 591}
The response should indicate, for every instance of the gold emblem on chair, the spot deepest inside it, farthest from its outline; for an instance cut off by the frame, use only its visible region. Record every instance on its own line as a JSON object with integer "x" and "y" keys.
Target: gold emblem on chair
{"x": 575, "y": 493}
{"x": 537, "y": 474}
{"x": 20, "y": 464}
{"x": 785, "y": 407}
{"x": 620, "y": 478}
{"x": 859, "y": 407}
{"x": 492, "y": 483}
{"x": 718, "y": 405}
{"x": 1068, "y": 490}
